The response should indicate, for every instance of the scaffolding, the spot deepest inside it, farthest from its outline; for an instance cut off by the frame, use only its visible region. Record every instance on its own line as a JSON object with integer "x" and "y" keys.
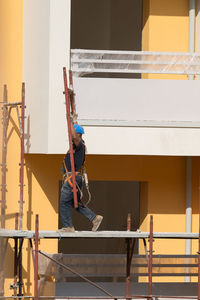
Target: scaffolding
{"x": 7, "y": 108}
{"x": 6, "y": 115}
{"x": 129, "y": 236}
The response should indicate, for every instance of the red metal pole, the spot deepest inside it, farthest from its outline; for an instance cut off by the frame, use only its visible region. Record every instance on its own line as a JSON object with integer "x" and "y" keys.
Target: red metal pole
{"x": 150, "y": 255}
{"x": 70, "y": 138}
{"x": 15, "y": 258}
{"x": 72, "y": 94}
{"x": 4, "y": 150}
{"x": 36, "y": 258}
{"x": 199, "y": 247}
{"x": 128, "y": 258}
{"x": 21, "y": 177}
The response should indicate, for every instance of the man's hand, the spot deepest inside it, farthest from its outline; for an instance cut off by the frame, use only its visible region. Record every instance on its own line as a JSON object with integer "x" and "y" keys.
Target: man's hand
{"x": 76, "y": 138}
{"x": 73, "y": 118}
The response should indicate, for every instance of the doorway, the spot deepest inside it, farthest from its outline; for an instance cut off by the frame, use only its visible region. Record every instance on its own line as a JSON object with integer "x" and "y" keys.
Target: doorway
{"x": 114, "y": 200}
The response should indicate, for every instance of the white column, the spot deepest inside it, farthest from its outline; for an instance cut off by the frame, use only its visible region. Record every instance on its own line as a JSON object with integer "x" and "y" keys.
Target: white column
{"x": 188, "y": 222}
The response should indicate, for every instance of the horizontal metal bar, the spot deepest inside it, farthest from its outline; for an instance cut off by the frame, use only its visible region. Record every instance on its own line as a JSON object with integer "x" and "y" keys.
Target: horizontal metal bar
{"x": 132, "y": 274}
{"x": 165, "y": 274}
{"x": 99, "y": 234}
{"x": 100, "y": 298}
{"x": 12, "y": 103}
{"x": 138, "y": 71}
{"x": 76, "y": 60}
{"x": 97, "y": 61}
{"x": 77, "y": 297}
{"x": 117, "y": 52}
{"x": 132, "y": 123}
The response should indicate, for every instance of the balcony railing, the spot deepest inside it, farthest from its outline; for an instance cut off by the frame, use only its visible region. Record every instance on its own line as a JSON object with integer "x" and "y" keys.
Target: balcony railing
{"x": 106, "y": 61}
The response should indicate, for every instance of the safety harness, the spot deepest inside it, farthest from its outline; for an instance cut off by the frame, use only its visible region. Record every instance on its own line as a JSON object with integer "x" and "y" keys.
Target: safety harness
{"x": 82, "y": 172}
{"x": 67, "y": 177}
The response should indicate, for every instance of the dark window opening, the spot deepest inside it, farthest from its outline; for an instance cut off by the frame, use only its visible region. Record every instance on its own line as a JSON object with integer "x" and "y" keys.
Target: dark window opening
{"x": 107, "y": 25}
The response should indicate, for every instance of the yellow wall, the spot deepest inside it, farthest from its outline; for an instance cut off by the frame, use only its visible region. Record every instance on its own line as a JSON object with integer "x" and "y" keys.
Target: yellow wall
{"x": 11, "y": 28}
{"x": 165, "y": 28}
{"x": 163, "y": 178}
{"x": 11, "y": 74}
{"x": 163, "y": 192}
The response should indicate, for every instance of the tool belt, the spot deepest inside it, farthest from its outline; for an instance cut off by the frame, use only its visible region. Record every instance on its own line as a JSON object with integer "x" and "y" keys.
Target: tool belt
{"x": 68, "y": 177}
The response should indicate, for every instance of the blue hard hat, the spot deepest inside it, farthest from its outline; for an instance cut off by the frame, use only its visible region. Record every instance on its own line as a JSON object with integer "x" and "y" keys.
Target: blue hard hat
{"x": 79, "y": 129}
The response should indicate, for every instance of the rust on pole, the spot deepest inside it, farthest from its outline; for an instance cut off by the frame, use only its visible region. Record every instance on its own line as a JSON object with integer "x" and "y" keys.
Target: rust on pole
{"x": 15, "y": 255}
{"x": 4, "y": 153}
{"x": 128, "y": 263}
{"x": 21, "y": 179}
{"x": 3, "y": 186}
{"x": 67, "y": 102}
{"x": 150, "y": 262}
{"x": 32, "y": 251}
{"x": 36, "y": 258}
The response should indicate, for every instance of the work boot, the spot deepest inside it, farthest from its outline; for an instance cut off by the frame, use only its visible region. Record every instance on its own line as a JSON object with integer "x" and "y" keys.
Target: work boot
{"x": 96, "y": 222}
{"x": 67, "y": 229}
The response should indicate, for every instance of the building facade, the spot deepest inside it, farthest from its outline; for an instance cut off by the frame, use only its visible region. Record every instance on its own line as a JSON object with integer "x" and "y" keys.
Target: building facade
{"x": 142, "y": 129}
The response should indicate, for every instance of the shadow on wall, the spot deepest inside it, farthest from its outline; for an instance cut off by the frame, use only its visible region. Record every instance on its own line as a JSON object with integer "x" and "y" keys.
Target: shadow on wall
{"x": 177, "y": 8}
{"x": 47, "y": 171}
{"x": 166, "y": 177}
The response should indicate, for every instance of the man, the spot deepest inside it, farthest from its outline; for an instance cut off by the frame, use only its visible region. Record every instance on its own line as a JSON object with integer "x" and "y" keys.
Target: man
{"x": 66, "y": 199}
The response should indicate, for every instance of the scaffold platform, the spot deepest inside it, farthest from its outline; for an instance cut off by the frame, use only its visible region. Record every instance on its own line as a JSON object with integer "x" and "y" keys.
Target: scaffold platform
{"x": 7, "y": 233}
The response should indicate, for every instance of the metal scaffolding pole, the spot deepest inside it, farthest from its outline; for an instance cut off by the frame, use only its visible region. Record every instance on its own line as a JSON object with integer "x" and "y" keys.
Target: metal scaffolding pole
{"x": 7, "y": 108}
{"x": 21, "y": 179}
{"x": 36, "y": 258}
{"x": 130, "y": 244}
{"x": 3, "y": 245}
{"x": 3, "y": 162}
{"x": 150, "y": 262}
{"x": 15, "y": 254}
{"x": 199, "y": 246}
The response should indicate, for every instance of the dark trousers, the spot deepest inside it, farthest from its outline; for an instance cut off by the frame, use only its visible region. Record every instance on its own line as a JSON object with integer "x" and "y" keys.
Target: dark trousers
{"x": 67, "y": 202}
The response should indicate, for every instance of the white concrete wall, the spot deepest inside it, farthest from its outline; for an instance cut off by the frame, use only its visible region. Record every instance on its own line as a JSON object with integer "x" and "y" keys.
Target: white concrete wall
{"x": 36, "y": 69}
{"x": 133, "y": 99}
{"x": 198, "y": 27}
{"x": 46, "y": 49}
{"x": 121, "y": 116}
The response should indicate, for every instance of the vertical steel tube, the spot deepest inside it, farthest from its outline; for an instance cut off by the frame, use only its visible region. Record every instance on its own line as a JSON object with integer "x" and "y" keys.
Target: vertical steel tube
{"x": 36, "y": 258}
{"x": 32, "y": 251}
{"x": 150, "y": 255}
{"x": 3, "y": 185}
{"x": 21, "y": 182}
{"x": 4, "y": 150}
{"x": 70, "y": 138}
{"x": 20, "y": 270}
{"x": 199, "y": 260}
{"x": 199, "y": 244}
{"x": 15, "y": 256}
{"x": 188, "y": 223}
{"x": 128, "y": 258}
{"x": 22, "y": 160}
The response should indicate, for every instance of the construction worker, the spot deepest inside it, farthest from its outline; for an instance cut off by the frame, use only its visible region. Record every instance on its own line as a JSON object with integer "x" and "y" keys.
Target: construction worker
{"x": 66, "y": 199}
